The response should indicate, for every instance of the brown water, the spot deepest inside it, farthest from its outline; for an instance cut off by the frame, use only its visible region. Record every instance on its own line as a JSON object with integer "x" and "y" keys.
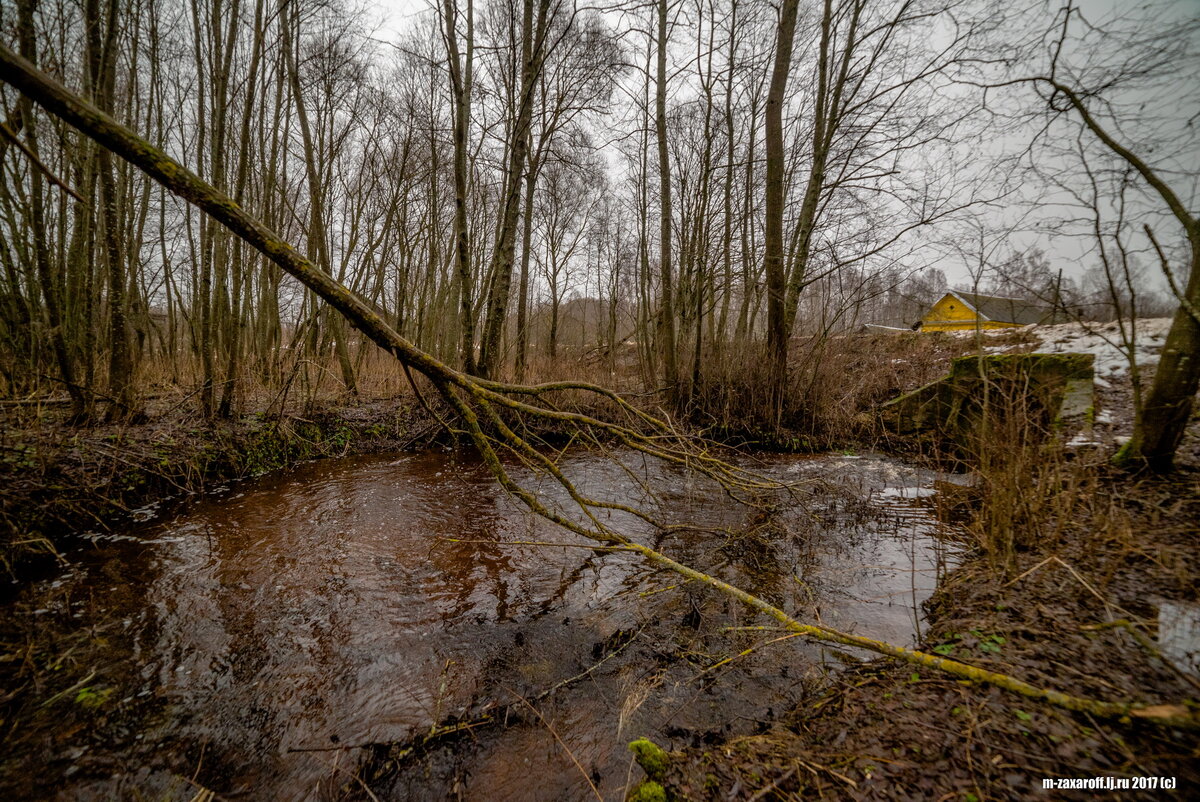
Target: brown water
{"x": 259, "y": 641}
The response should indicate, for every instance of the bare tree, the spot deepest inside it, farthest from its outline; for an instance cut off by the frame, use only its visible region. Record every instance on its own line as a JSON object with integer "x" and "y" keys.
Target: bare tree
{"x": 773, "y": 238}
{"x": 461, "y": 69}
{"x": 48, "y": 276}
{"x": 1090, "y": 68}
{"x": 668, "y": 348}
{"x": 534, "y": 30}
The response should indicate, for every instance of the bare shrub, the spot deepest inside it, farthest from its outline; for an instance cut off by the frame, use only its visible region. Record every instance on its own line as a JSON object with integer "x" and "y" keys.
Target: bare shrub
{"x": 833, "y": 384}
{"x": 1030, "y": 489}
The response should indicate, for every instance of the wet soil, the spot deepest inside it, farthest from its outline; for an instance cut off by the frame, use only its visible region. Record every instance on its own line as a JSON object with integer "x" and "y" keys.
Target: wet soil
{"x": 883, "y": 730}
{"x": 301, "y": 635}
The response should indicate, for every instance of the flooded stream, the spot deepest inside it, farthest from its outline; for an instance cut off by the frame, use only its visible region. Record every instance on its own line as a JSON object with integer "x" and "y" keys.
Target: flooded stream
{"x": 269, "y": 641}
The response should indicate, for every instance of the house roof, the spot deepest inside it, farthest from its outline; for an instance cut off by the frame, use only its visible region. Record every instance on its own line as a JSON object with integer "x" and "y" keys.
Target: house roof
{"x": 1004, "y": 310}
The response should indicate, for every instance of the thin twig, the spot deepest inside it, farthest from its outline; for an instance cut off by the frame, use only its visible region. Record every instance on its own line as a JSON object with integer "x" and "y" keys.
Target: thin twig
{"x": 589, "y": 546}
{"x": 354, "y": 776}
{"x": 565, "y": 748}
{"x": 37, "y": 163}
{"x": 762, "y": 793}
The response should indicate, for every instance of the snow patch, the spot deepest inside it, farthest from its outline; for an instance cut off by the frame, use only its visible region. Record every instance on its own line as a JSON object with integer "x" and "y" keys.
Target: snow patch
{"x": 907, "y": 492}
{"x": 1081, "y": 440}
{"x": 1104, "y": 341}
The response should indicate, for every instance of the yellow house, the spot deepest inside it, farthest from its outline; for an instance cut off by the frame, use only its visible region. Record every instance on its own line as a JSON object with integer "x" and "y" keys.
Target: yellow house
{"x": 966, "y": 311}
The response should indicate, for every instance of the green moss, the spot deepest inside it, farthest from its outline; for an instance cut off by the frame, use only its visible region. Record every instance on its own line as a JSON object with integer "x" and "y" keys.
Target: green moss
{"x": 1126, "y": 456}
{"x": 1064, "y": 365}
{"x": 92, "y": 698}
{"x": 650, "y": 757}
{"x": 648, "y": 791}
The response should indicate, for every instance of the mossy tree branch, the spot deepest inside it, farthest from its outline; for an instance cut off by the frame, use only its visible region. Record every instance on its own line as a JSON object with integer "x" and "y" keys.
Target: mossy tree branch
{"x": 473, "y": 398}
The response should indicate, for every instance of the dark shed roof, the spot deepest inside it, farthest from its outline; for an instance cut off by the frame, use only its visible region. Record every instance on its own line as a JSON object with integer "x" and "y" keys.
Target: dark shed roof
{"x": 1006, "y": 310}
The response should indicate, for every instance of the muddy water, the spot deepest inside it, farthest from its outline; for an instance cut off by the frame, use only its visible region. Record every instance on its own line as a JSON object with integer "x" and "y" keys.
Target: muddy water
{"x": 266, "y": 642}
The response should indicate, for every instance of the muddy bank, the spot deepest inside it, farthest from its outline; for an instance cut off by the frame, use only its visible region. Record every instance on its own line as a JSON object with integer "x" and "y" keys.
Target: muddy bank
{"x": 886, "y": 731}
{"x": 294, "y": 636}
{"x": 57, "y": 480}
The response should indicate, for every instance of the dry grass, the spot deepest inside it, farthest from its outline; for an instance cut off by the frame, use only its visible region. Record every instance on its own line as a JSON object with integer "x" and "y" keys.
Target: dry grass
{"x": 1030, "y": 489}
{"x": 832, "y": 381}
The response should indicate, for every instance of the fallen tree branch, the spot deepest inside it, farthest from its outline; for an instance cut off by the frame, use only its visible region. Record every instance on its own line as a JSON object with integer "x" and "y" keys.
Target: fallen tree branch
{"x": 471, "y": 397}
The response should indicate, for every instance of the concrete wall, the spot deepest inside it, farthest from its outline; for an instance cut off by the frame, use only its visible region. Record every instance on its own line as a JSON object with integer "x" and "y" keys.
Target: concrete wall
{"x": 1056, "y": 385}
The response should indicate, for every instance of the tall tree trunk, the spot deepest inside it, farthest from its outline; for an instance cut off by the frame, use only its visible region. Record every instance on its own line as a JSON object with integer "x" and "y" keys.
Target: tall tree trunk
{"x": 48, "y": 276}
{"x": 773, "y": 247}
{"x": 233, "y": 339}
{"x": 666, "y": 307}
{"x": 102, "y": 57}
{"x": 317, "y": 218}
{"x": 460, "y": 81}
{"x": 647, "y": 353}
{"x": 727, "y": 198}
{"x": 745, "y": 320}
{"x": 523, "y": 288}
{"x": 532, "y": 44}
{"x": 208, "y": 231}
{"x": 827, "y": 121}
